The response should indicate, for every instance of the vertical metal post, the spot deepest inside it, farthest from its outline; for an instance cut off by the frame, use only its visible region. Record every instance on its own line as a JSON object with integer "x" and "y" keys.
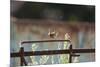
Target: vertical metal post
{"x": 70, "y": 54}
{"x": 22, "y": 59}
{"x": 21, "y": 56}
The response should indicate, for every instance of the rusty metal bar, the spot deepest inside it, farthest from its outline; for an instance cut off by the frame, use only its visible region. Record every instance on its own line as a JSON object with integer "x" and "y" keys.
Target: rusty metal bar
{"x": 22, "y": 56}
{"x": 75, "y": 55}
{"x": 70, "y": 54}
{"x": 44, "y": 41}
{"x": 52, "y": 52}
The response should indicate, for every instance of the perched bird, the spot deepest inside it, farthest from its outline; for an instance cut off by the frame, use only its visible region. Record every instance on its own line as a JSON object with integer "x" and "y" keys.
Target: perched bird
{"x": 52, "y": 34}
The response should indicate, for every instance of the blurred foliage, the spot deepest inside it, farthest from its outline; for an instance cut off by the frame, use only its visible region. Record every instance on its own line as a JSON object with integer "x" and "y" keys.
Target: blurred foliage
{"x": 34, "y": 10}
{"x": 73, "y": 18}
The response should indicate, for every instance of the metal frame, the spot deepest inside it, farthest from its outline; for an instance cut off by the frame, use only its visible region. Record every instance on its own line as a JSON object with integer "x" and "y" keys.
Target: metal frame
{"x": 69, "y": 51}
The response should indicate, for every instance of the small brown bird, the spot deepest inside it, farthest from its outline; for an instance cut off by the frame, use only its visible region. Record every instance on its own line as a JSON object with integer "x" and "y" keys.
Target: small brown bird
{"x": 52, "y": 34}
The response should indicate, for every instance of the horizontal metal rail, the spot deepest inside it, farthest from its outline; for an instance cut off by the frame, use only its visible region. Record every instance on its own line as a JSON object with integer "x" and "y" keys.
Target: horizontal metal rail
{"x": 24, "y": 42}
{"x": 52, "y": 52}
{"x": 69, "y": 51}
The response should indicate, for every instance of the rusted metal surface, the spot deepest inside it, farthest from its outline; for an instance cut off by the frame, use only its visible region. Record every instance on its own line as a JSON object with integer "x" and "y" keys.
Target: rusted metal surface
{"x": 69, "y": 51}
{"x": 24, "y": 42}
{"x": 52, "y": 52}
{"x": 70, "y": 54}
{"x": 22, "y": 59}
